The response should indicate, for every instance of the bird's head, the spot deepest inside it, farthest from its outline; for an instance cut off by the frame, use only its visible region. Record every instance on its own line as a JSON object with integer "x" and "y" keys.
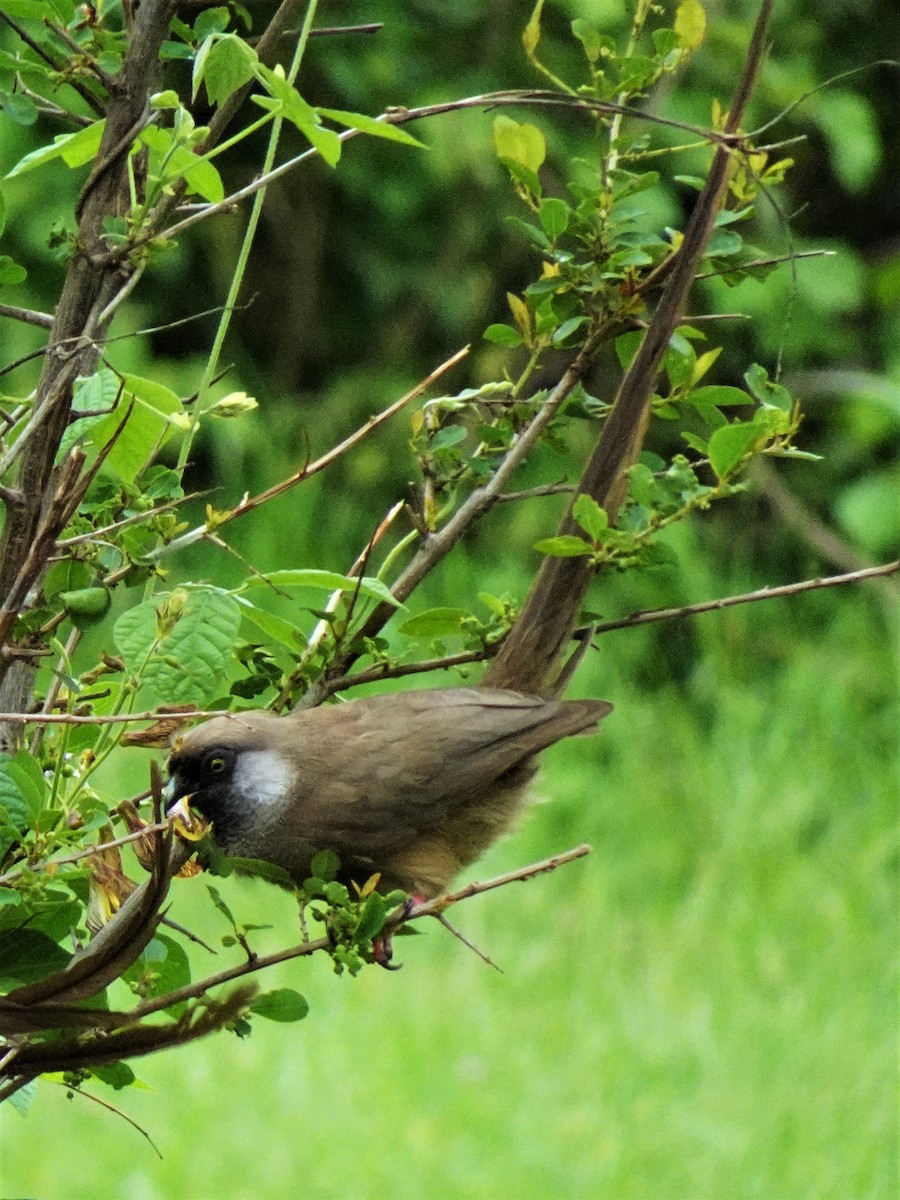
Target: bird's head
{"x": 235, "y": 770}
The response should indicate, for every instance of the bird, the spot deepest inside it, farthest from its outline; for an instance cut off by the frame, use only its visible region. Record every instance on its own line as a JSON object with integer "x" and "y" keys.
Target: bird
{"x": 411, "y": 787}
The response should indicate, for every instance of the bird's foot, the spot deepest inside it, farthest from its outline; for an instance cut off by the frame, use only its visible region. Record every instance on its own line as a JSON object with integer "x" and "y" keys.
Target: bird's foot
{"x": 383, "y": 943}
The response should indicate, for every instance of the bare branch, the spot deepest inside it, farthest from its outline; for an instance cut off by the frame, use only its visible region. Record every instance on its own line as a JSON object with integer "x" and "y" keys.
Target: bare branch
{"x": 650, "y": 616}
{"x": 27, "y": 315}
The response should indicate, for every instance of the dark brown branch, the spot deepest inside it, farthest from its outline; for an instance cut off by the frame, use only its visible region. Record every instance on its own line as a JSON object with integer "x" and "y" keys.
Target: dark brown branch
{"x": 530, "y": 657}
{"x": 86, "y": 294}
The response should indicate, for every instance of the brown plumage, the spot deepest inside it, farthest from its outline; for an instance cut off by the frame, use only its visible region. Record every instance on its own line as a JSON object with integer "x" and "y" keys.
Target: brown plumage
{"x": 413, "y": 785}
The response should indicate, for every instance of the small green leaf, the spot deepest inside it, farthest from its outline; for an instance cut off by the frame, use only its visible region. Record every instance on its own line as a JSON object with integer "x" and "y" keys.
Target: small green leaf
{"x": 531, "y": 34}
{"x": 170, "y": 162}
{"x": 503, "y": 335}
{"x": 227, "y": 65}
{"x": 588, "y": 514}
{"x": 690, "y": 23}
{"x": 20, "y": 109}
{"x": 718, "y": 396}
{"x": 554, "y": 215}
{"x": 23, "y": 789}
{"x": 11, "y": 272}
{"x": 372, "y": 918}
{"x": 564, "y": 331}
{"x": 282, "y": 1004}
{"x": 116, "y": 1075}
{"x": 27, "y": 955}
{"x": 589, "y": 36}
{"x": 566, "y": 546}
{"x": 435, "y": 622}
{"x": 371, "y": 126}
{"x": 288, "y": 103}
{"x": 273, "y": 626}
{"x": 730, "y": 444}
{"x": 325, "y": 865}
{"x": 86, "y": 606}
{"x": 521, "y": 143}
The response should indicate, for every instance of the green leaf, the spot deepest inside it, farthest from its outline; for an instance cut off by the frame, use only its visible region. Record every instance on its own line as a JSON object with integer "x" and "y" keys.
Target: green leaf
{"x": 325, "y": 865}
{"x": 554, "y": 215}
{"x": 23, "y": 789}
{"x": 589, "y": 36}
{"x": 627, "y": 346}
{"x": 74, "y": 149}
{"x": 371, "y": 126}
{"x": 690, "y": 23}
{"x": 224, "y": 64}
{"x": 588, "y": 514}
{"x": 169, "y": 162}
{"x": 520, "y": 143}
{"x": 146, "y": 429}
{"x": 180, "y": 644}
{"x": 273, "y": 626}
{"x": 447, "y": 438}
{"x": 20, "y": 109}
{"x": 288, "y": 103}
{"x": 372, "y": 918}
{"x": 282, "y": 1004}
{"x": 531, "y": 34}
{"x": 9, "y": 897}
{"x": 730, "y": 444}
{"x": 435, "y": 622}
{"x": 718, "y": 396}
{"x": 566, "y": 546}
{"x": 30, "y": 10}
{"x": 116, "y": 1075}
{"x": 86, "y": 606}
{"x": 329, "y": 581}
{"x": 27, "y": 956}
{"x": 564, "y": 331}
{"x": 772, "y": 395}
{"x": 503, "y": 335}
{"x": 211, "y": 20}
{"x": 11, "y": 272}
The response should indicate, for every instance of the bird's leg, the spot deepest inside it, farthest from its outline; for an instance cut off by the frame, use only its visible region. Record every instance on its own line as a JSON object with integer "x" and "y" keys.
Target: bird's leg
{"x": 383, "y": 943}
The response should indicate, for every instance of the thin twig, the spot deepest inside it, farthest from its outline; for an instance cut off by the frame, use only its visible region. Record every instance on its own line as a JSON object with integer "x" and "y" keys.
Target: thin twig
{"x": 27, "y": 315}
{"x": 74, "y": 1089}
{"x": 650, "y": 616}
{"x": 249, "y": 503}
{"x": 51, "y": 864}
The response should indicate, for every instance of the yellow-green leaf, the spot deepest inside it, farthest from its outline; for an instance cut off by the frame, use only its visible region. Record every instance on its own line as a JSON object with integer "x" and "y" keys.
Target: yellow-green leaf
{"x": 690, "y": 23}
{"x": 531, "y": 34}
{"x": 519, "y": 142}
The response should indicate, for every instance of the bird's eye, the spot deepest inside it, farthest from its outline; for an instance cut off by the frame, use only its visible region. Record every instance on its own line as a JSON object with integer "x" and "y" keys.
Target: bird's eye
{"x": 216, "y": 764}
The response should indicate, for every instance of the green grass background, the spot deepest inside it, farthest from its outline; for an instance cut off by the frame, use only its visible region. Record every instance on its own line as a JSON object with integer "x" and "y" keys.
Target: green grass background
{"x": 703, "y": 1009}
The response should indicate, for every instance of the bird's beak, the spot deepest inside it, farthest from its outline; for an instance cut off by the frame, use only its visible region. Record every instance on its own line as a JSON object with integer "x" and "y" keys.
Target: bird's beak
{"x": 187, "y": 824}
{"x": 177, "y": 805}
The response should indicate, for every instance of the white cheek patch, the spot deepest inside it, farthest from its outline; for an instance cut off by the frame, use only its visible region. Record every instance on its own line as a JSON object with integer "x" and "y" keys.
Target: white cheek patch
{"x": 263, "y": 778}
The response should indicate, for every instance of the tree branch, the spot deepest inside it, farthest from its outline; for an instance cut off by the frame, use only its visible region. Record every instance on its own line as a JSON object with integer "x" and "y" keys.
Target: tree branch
{"x": 530, "y": 657}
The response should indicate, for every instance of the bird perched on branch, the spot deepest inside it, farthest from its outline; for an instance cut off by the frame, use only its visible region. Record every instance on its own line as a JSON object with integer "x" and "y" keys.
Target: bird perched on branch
{"x": 412, "y": 786}
{"x": 416, "y": 785}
